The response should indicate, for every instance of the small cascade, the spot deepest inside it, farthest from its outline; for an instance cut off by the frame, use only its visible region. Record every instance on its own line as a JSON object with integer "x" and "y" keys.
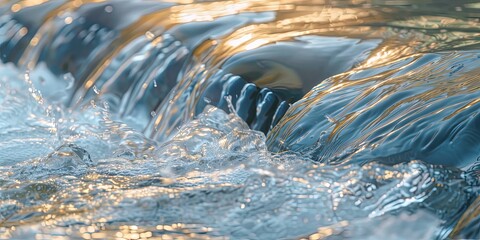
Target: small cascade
{"x": 244, "y": 119}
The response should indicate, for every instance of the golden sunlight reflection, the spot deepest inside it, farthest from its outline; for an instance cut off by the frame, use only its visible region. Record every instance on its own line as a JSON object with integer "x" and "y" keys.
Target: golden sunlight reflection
{"x": 26, "y": 3}
{"x": 321, "y": 83}
{"x": 287, "y": 25}
{"x": 471, "y": 215}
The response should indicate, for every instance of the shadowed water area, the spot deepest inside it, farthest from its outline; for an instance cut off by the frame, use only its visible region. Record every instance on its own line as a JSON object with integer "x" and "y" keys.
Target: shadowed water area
{"x": 240, "y": 119}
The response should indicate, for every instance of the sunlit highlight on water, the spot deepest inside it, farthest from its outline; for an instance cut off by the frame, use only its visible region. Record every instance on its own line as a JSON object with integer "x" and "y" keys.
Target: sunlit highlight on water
{"x": 113, "y": 123}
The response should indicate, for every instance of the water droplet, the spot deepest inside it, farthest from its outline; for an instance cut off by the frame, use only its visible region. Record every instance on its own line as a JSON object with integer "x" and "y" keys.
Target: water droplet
{"x": 68, "y": 20}
{"x": 330, "y": 118}
{"x": 106, "y": 105}
{"x": 27, "y": 76}
{"x": 95, "y": 89}
{"x": 150, "y": 36}
{"x": 109, "y": 9}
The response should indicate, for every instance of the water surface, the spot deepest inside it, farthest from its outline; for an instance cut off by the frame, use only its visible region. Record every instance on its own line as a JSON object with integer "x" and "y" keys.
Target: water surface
{"x": 239, "y": 119}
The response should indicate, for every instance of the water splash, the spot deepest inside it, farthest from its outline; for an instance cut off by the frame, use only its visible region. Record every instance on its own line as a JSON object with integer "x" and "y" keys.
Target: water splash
{"x": 360, "y": 87}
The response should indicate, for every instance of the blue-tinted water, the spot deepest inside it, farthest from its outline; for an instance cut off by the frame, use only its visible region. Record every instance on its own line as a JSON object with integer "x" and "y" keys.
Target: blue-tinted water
{"x": 239, "y": 119}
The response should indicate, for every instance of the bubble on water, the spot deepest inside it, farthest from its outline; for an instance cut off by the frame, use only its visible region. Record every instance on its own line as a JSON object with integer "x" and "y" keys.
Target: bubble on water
{"x": 108, "y": 9}
{"x": 69, "y": 157}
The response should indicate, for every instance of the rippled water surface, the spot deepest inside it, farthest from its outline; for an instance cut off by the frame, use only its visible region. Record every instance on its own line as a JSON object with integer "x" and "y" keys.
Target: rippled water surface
{"x": 241, "y": 119}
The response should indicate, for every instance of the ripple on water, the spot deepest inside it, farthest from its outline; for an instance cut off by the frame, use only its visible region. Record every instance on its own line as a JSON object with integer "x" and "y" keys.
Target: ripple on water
{"x": 380, "y": 94}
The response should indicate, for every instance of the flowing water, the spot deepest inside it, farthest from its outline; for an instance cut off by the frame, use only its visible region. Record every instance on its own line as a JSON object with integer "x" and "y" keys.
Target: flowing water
{"x": 248, "y": 119}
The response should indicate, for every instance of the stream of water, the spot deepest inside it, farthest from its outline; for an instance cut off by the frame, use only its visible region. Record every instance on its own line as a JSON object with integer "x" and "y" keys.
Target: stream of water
{"x": 248, "y": 119}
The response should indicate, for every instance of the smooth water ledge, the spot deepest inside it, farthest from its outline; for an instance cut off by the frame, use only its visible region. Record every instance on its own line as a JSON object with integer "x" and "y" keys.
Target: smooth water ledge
{"x": 428, "y": 112}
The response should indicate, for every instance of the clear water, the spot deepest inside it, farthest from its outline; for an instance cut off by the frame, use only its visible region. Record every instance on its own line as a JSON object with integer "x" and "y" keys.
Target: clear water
{"x": 114, "y": 125}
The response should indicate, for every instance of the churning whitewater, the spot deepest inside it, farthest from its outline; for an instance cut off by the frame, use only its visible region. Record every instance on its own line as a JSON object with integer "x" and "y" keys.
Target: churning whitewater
{"x": 239, "y": 119}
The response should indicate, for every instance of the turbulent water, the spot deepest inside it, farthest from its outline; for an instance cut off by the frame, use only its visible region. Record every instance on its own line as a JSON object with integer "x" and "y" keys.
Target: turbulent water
{"x": 241, "y": 119}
